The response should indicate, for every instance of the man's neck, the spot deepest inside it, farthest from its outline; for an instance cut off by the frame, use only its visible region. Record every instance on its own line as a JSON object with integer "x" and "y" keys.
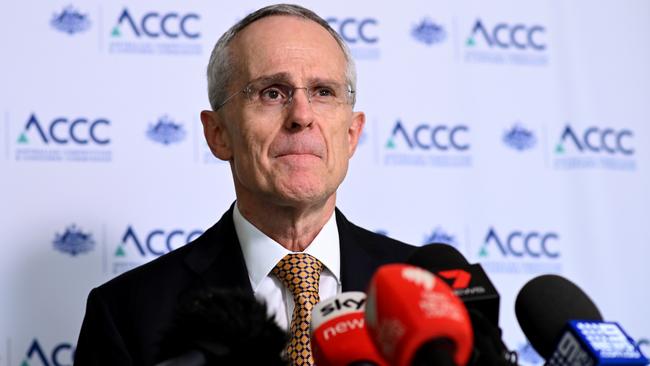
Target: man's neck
{"x": 293, "y": 227}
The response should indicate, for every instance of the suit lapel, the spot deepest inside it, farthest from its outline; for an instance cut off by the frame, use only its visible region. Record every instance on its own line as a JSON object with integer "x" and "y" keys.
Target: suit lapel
{"x": 217, "y": 257}
{"x": 357, "y": 265}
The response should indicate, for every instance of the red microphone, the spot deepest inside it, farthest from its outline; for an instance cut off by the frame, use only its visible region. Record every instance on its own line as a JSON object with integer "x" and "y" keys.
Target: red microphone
{"x": 414, "y": 318}
{"x": 338, "y": 332}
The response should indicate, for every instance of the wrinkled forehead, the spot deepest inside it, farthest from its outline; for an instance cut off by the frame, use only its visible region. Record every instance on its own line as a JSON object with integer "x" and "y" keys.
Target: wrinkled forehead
{"x": 299, "y": 48}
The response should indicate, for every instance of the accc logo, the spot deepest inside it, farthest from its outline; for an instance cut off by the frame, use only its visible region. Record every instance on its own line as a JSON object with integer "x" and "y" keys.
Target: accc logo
{"x": 595, "y": 139}
{"x": 157, "y": 242}
{"x": 154, "y": 25}
{"x": 504, "y": 35}
{"x": 63, "y": 131}
{"x": 61, "y": 355}
{"x": 428, "y": 137}
{"x": 522, "y": 244}
{"x": 355, "y": 30}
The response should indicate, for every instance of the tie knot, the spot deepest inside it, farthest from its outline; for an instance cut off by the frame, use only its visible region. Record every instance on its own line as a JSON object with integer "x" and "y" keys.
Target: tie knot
{"x": 300, "y": 272}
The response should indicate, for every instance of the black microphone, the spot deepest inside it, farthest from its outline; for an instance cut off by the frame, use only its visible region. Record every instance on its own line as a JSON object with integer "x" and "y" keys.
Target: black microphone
{"x": 472, "y": 285}
{"x": 566, "y": 328}
{"x": 222, "y": 327}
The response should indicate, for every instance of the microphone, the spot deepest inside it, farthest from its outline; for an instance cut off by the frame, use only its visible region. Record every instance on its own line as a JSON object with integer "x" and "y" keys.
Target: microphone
{"x": 415, "y": 319}
{"x": 222, "y": 327}
{"x": 468, "y": 281}
{"x": 566, "y": 328}
{"x": 472, "y": 285}
{"x": 338, "y": 333}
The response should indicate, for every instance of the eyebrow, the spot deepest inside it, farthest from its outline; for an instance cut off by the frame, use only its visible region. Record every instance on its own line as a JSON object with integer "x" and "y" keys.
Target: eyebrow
{"x": 286, "y": 77}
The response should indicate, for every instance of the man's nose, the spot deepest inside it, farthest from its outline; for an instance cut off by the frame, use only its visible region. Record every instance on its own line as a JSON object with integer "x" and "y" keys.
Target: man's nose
{"x": 300, "y": 113}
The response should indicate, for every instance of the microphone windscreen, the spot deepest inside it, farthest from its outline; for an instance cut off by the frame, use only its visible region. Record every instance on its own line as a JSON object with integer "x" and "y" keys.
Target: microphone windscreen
{"x": 409, "y": 307}
{"x": 225, "y": 325}
{"x": 545, "y": 305}
{"x": 436, "y": 256}
{"x": 339, "y": 335}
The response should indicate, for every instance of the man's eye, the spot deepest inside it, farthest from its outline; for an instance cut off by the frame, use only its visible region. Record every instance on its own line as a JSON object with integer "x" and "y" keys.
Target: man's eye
{"x": 323, "y": 91}
{"x": 271, "y": 94}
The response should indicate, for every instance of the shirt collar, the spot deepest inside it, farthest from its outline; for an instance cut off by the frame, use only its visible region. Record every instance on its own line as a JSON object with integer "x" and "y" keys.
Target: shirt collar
{"x": 262, "y": 253}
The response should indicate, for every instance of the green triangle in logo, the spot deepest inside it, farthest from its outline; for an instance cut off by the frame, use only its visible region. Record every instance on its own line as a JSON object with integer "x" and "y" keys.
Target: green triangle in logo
{"x": 22, "y": 139}
{"x": 559, "y": 149}
{"x": 24, "y": 363}
{"x": 120, "y": 252}
{"x": 390, "y": 144}
{"x": 116, "y": 32}
{"x": 483, "y": 252}
{"x": 470, "y": 41}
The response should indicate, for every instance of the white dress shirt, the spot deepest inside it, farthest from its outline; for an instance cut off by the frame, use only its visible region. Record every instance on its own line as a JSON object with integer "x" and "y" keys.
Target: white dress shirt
{"x": 262, "y": 253}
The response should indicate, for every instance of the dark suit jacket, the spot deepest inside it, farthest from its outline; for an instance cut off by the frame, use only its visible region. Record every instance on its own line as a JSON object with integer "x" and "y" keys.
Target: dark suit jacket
{"x": 126, "y": 317}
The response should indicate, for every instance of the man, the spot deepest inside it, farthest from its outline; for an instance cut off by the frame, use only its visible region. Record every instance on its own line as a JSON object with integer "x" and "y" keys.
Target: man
{"x": 281, "y": 85}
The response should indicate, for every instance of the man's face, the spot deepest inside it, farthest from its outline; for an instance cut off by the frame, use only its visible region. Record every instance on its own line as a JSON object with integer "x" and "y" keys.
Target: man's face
{"x": 295, "y": 155}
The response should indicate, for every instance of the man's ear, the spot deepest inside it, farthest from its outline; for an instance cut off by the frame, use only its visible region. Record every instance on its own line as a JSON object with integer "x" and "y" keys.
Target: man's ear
{"x": 355, "y": 130}
{"x": 216, "y": 135}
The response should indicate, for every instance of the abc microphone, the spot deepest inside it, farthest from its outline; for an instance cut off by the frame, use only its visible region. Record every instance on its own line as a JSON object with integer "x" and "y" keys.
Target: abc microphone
{"x": 564, "y": 326}
{"x": 338, "y": 333}
{"x": 414, "y": 318}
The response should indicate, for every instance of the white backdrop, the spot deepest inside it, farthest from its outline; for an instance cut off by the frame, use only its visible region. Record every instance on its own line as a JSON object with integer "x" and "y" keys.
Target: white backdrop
{"x": 516, "y": 131}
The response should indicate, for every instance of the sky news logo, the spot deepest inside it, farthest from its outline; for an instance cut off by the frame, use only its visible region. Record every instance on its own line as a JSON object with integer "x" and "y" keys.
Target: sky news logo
{"x": 79, "y": 139}
{"x": 502, "y": 42}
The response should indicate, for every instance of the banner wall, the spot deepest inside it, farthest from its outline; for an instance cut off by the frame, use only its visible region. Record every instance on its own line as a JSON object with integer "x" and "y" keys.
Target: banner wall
{"x": 516, "y": 131}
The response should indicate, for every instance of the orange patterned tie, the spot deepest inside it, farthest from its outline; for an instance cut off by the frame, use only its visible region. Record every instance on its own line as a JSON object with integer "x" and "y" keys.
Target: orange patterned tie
{"x": 300, "y": 273}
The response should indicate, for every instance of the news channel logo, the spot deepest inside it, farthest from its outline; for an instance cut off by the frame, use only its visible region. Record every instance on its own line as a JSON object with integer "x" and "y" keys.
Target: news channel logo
{"x": 427, "y": 144}
{"x": 73, "y": 241}
{"x": 502, "y": 42}
{"x": 70, "y": 21}
{"x": 166, "y": 131}
{"x": 154, "y": 32}
{"x": 137, "y": 245}
{"x": 603, "y": 147}
{"x": 63, "y": 138}
{"x": 528, "y": 251}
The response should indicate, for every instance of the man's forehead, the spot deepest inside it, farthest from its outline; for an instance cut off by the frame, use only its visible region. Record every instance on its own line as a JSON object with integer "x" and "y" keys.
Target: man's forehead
{"x": 278, "y": 43}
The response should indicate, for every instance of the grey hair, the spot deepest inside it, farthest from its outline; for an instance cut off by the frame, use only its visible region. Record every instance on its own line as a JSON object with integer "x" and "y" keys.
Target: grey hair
{"x": 221, "y": 66}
